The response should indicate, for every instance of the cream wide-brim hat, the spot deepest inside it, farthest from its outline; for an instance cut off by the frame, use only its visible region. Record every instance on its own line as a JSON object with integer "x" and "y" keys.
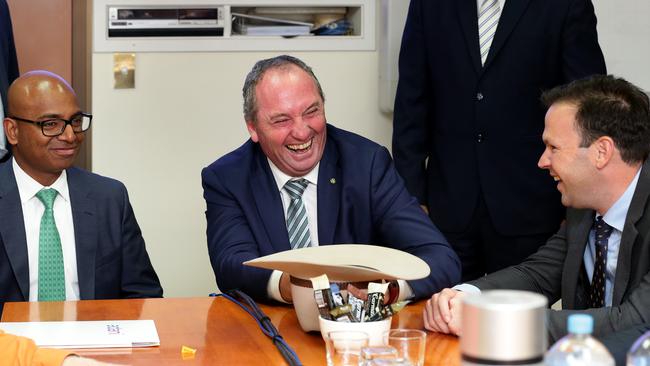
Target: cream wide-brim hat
{"x": 342, "y": 263}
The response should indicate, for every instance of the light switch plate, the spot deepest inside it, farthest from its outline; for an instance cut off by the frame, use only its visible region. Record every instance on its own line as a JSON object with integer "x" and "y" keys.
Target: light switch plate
{"x": 124, "y": 70}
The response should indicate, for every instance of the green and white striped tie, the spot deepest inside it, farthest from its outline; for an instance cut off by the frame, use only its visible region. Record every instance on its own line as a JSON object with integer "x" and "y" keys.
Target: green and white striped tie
{"x": 297, "y": 220}
{"x": 488, "y": 19}
{"x": 51, "y": 276}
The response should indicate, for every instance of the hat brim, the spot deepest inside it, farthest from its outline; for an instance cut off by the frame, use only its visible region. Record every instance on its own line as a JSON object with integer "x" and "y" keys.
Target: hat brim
{"x": 346, "y": 262}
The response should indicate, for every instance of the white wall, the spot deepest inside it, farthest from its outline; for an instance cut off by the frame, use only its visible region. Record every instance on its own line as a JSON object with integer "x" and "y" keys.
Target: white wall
{"x": 624, "y": 35}
{"x": 183, "y": 114}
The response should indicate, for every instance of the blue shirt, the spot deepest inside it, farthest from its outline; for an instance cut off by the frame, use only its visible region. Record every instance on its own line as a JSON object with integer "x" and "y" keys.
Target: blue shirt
{"x": 614, "y": 217}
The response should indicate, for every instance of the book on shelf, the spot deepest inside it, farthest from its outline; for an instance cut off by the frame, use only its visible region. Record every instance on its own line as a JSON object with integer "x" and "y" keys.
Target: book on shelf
{"x": 254, "y": 25}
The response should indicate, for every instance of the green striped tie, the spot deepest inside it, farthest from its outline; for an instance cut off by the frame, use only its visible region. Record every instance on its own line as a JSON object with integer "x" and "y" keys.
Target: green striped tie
{"x": 51, "y": 277}
{"x": 297, "y": 221}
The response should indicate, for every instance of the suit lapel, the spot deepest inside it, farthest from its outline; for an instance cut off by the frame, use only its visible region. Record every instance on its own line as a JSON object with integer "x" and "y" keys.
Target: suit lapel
{"x": 468, "y": 16}
{"x": 577, "y": 236}
{"x": 630, "y": 232}
{"x": 85, "y": 231}
{"x": 512, "y": 12}
{"x": 12, "y": 228}
{"x": 268, "y": 201}
{"x": 329, "y": 193}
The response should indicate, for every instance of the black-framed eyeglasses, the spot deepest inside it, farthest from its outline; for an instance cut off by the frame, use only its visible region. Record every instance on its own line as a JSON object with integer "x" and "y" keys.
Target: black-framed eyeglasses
{"x": 55, "y": 126}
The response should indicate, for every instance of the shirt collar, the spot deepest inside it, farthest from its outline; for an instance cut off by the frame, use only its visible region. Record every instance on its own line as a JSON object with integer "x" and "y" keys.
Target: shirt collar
{"x": 615, "y": 216}
{"x": 28, "y": 187}
{"x": 281, "y": 179}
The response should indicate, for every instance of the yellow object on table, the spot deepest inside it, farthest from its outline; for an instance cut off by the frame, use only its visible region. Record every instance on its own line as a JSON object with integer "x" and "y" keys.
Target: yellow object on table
{"x": 187, "y": 353}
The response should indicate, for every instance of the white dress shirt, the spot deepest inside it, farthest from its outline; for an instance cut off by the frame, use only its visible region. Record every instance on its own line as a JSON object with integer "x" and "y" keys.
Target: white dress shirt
{"x": 310, "y": 199}
{"x": 33, "y": 210}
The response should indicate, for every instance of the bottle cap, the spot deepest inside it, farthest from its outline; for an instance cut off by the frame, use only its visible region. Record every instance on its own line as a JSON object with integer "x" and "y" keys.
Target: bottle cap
{"x": 580, "y": 324}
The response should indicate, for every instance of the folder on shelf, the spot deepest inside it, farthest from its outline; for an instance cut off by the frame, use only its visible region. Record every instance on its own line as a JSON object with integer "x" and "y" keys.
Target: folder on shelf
{"x": 87, "y": 334}
{"x": 254, "y": 25}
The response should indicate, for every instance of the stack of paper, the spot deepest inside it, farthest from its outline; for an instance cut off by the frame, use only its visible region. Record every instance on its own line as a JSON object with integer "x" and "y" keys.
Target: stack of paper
{"x": 87, "y": 334}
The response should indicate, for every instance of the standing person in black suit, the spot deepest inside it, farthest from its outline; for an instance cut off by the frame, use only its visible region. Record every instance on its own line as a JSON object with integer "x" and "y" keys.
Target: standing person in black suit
{"x": 468, "y": 122}
{"x": 597, "y": 137}
{"x": 8, "y": 69}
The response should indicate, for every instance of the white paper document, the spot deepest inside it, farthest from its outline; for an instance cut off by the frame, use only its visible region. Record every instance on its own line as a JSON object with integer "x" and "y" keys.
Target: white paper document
{"x": 87, "y": 334}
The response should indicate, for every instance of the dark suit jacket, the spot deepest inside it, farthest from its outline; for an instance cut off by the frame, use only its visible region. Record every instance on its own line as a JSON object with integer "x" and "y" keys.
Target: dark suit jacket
{"x": 112, "y": 261}
{"x": 481, "y": 127}
{"x": 619, "y": 343}
{"x": 557, "y": 269}
{"x": 368, "y": 204}
{"x": 8, "y": 60}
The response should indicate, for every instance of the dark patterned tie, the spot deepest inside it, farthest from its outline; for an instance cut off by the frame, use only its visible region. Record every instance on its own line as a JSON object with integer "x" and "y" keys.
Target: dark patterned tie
{"x": 597, "y": 293}
{"x": 297, "y": 220}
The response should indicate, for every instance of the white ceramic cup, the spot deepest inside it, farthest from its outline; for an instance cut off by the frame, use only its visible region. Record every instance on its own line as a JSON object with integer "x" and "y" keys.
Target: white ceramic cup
{"x": 375, "y": 330}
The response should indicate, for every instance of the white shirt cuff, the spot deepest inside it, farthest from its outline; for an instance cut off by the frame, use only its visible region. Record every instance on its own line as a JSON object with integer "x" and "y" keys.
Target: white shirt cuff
{"x": 405, "y": 291}
{"x": 273, "y": 287}
{"x": 466, "y": 287}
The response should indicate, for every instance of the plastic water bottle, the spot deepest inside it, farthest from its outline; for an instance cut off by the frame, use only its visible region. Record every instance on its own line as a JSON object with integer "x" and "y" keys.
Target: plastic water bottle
{"x": 579, "y": 348}
{"x": 639, "y": 354}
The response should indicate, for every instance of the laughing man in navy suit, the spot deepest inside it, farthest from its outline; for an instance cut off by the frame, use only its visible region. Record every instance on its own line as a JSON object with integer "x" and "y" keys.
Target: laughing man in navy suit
{"x": 352, "y": 192}
{"x": 98, "y": 251}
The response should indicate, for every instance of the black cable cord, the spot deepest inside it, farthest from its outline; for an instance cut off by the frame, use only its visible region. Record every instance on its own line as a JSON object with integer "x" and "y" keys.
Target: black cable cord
{"x": 245, "y": 302}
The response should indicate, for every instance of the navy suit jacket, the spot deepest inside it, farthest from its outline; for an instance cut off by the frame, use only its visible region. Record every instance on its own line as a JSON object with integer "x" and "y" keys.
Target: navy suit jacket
{"x": 8, "y": 61}
{"x": 112, "y": 261}
{"x": 481, "y": 127}
{"x": 367, "y": 204}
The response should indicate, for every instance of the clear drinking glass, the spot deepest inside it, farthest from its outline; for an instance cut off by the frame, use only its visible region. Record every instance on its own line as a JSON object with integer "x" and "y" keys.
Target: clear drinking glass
{"x": 344, "y": 347}
{"x": 377, "y": 353}
{"x": 410, "y": 344}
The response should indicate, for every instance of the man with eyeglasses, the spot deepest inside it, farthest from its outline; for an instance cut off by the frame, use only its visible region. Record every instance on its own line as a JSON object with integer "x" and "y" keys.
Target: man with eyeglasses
{"x": 65, "y": 234}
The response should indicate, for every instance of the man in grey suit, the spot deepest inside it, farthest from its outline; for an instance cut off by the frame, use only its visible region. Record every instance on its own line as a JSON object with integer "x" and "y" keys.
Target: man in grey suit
{"x": 597, "y": 137}
{"x": 65, "y": 234}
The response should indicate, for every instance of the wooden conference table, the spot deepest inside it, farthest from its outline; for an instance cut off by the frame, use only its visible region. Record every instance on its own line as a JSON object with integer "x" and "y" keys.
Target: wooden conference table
{"x": 220, "y": 331}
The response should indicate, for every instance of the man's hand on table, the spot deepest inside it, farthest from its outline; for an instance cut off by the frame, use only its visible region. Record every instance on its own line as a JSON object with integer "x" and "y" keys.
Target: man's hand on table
{"x": 442, "y": 312}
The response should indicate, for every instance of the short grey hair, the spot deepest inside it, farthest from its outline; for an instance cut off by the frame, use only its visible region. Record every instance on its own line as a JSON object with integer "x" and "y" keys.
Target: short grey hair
{"x": 258, "y": 71}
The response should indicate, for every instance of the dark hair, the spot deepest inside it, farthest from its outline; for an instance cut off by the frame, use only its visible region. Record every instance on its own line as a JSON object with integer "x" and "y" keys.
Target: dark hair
{"x": 256, "y": 74}
{"x": 608, "y": 106}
